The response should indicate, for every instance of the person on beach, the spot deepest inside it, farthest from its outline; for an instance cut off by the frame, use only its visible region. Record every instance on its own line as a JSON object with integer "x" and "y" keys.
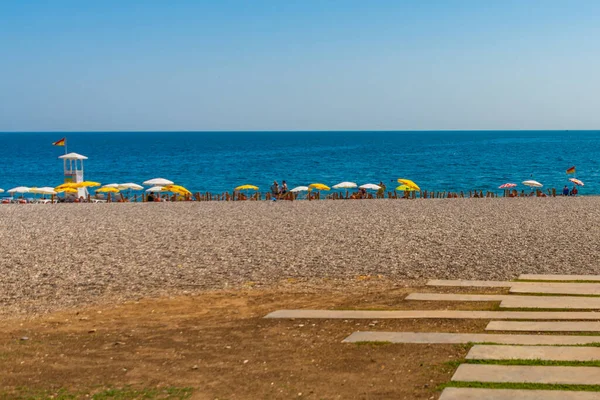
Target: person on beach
{"x": 283, "y": 190}
{"x": 574, "y": 191}
{"x": 565, "y": 191}
{"x": 381, "y": 190}
{"x": 275, "y": 190}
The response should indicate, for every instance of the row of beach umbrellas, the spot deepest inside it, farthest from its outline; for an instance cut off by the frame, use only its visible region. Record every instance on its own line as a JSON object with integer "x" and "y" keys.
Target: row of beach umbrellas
{"x": 406, "y": 185}
{"x": 157, "y": 185}
{"x": 536, "y": 184}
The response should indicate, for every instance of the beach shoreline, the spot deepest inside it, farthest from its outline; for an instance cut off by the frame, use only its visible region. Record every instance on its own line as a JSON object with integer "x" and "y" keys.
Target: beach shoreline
{"x": 63, "y": 256}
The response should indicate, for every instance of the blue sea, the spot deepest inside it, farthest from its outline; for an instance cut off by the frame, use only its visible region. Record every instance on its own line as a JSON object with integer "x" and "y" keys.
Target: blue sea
{"x": 220, "y": 161}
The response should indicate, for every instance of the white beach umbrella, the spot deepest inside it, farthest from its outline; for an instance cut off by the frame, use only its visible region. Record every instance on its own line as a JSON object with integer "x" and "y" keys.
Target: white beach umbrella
{"x": 345, "y": 185}
{"x": 112, "y": 185}
{"x": 131, "y": 186}
{"x": 43, "y": 190}
{"x": 370, "y": 186}
{"x": 154, "y": 189}
{"x": 1, "y": 190}
{"x": 20, "y": 189}
{"x": 158, "y": 182}
{"x": 299, "y": 189}
{"x": 532, "y": 183}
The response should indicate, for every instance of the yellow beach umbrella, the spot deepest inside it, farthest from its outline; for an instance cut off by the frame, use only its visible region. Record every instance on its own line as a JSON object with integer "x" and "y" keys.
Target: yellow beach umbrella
{"x": 87, "y": 184}
{"x": 176, "y": 189}
{"x": 409, "y": 183}
{"x": 65, "y": 190}
{"x": 107, "y": 190}
{"x": 405, "y": 188}
{"x": 318, "y": 186}
{"x": 246, "y": 187}
{"x": 68, "y": 185}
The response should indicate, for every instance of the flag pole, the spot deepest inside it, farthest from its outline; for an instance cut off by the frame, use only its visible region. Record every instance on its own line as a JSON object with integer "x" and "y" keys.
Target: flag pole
{"x": 65, "y": 145}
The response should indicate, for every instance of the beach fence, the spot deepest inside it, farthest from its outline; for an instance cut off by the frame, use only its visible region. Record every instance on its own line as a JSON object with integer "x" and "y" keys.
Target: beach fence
{"x": 317, "y": 195}
{"x": 309, "y": 196}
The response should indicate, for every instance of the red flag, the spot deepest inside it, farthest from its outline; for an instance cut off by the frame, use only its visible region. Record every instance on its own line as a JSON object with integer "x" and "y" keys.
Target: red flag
{"x": 60, "y": 142}
{"x": 571, "y": 170}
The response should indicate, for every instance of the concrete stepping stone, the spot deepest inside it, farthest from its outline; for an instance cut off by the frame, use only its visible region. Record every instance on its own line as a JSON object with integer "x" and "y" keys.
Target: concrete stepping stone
{"x": 457, "y": 297}
{"x": 559, "y": 302}
{"x": 515, "y": 301}
{"x": 535, "y": 277}
{"x": 449, "y": 338}
{"x": 512, "y": 394}
{"x": 546, "y": 353}
{"x": 463, "y": 283}
{"x": 527, "y": 374}
{"x": 544, "y": 326}
{"x": 556, "y": 288}
{"x": 435, "y": 314}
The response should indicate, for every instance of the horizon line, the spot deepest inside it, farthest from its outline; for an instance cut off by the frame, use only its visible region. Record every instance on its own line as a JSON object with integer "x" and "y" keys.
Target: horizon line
{"x": 300, "y": 130}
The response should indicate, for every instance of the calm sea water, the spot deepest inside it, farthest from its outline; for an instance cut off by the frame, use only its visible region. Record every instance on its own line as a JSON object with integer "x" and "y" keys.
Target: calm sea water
{"x": 218, "y": 161}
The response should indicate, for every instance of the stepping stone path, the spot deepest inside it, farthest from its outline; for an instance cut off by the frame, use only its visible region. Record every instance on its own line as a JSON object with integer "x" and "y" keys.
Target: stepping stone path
{"x": 458, "y": 297}
{"x": 532, "y": 277}
{"x": 434, "y": 314}
{"x": 504, "y": 348}
{"x": 549, "y": 302}
{"x": 527, "y": 374}
{"x": 516, "y": 301}
{"x": 546, "y": 353}
{"x": 556, "y": 288}
{"x": 461, "y": 283}
{"x": 458, "y": 338}
{"x": 537, "y": 326}
{"x": 510, "y": 394}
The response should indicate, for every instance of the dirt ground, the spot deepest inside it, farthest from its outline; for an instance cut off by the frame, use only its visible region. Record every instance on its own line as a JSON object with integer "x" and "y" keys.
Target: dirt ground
{"x": 219, "y": 344}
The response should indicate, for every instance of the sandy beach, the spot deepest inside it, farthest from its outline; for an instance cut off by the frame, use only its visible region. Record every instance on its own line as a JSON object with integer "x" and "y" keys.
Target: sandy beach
{"x": 62, "y": 256}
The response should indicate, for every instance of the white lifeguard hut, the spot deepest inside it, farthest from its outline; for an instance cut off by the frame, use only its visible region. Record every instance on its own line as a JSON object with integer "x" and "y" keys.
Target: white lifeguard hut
{"x": 73, "y": 170}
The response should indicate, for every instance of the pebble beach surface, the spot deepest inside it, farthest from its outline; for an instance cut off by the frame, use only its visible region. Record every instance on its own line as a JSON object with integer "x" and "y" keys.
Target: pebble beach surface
{"x": 65, "y": 255}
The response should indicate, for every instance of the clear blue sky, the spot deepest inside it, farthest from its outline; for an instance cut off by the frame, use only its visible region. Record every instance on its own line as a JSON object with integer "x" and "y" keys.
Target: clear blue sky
{"x": 299, "y": 64}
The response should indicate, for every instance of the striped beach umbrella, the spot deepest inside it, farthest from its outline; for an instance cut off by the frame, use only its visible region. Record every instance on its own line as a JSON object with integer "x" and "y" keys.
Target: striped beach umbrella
{"x": 507, "y": 186}
{"x": 576, "y": 181}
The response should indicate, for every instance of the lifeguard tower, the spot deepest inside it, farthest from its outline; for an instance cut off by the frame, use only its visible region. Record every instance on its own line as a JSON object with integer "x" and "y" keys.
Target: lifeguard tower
{"x": 73, "y": 169}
